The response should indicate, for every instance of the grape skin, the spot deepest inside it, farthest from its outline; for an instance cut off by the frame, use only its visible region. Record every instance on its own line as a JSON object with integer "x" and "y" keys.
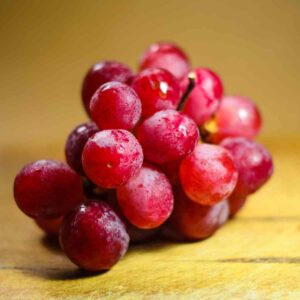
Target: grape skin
{"x": 75, "y": 143}
{"x": 93, "y": 236}
{"x": 208, "y": 175}
{"x": 236, "y": 117}
{"x": 147, "y": 199}
{"x": 194, "y": 221}
{"x": 205, "y": 98}
{"x": 253, "y": 162}
{"x": 115, "y": 105}
{"x": 166, "y": 56}
{"x": 101, "y": 73}
{"x": 47, "y": 189}
{"x": 158, "y": 90}
{"x": 111, "y": 157}
{"x": 50, "y": 226}
{"x": 167, "y": 136}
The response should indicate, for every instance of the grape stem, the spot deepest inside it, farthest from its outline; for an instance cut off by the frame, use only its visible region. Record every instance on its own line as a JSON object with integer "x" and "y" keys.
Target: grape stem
{"x": 190, "y": 87}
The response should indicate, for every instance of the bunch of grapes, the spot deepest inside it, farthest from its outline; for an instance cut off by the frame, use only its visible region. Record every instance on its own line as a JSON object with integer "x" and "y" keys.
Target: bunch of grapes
{"x": 165, "y": 153}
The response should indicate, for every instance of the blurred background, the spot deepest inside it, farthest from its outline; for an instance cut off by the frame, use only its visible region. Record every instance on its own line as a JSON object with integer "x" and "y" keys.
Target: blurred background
{"x": 47, "y": 47}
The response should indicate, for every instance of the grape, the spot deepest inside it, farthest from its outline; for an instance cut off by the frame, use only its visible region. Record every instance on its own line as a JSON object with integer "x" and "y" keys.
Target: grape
{"x": 169, "y": 232}
{"x": 93, "y": 236}
{"x": 205, "y": 97}
{"x": 236, "y": 203}
{"x": 137, "y": 235}
{"x": 253, "y": 162}
{"x": 111, "y": 157}
{"x": 115, "y": 105}
{"x": 147, "y": 199}
{"x": 47, "y": 189}
{"x": 164, "y": 155}
{"x": 75, "y": 143}
{"x": 50, "y": 226}
{"x": 171, "y": 170}
{"x": 236, "y": 116}
{"x": 168, "y": 135}
{"x": 158, "y": 90}
{"x": 166, "y": 56}
{"x": 195, "y": 221}
{"x": 210, "y": 82}
{"x": 101, "y": 73}
{"x": 199, "y": 107}
{"x": 208, "y": 175}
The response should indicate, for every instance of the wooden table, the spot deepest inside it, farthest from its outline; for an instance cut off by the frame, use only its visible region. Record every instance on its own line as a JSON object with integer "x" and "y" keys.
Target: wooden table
{"x": 255, "y": 256}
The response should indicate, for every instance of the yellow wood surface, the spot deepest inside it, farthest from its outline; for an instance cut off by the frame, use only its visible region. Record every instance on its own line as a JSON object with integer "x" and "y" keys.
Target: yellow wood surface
{"x": 255, "y": 256}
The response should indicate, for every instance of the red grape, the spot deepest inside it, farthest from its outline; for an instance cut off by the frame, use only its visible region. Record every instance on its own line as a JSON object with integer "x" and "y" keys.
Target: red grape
{"x": 75, "y": 143}
{"x": 236, "y": 202}
{"x": 47, "y": 189}
{"x": 93, "y": 236}
{"x": 147, "y": 199}
{"x": 50, "y": 226}
{"x": 137, "y": 235}
{"x": 208, "y": 175}
{"x": 168, "y": 135}
{"x": 115, "y": 105}
{"x": 158, "y": 89}
{"x": 171, "y": 169}
{"x": 166, "y": 56}
{"x": 101, "y": 73}
{"x": 165, "y": 155}
{"x": 111, "y": 157}
{"x": 169, "y": 231}
{"x": 236, "y": 116}
{"x": 205, "y": 97}
{"x": 210, "y": 82}
{"x": 195, "y": 221}
{"x": 253, "y": 162}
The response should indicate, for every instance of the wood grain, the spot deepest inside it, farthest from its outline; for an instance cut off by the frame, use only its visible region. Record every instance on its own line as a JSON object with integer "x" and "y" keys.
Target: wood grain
{"x": 255, "y": 256}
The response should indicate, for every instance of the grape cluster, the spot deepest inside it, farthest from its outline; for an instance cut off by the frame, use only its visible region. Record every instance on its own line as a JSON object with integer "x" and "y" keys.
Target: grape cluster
{"x": 166, "y": 154}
